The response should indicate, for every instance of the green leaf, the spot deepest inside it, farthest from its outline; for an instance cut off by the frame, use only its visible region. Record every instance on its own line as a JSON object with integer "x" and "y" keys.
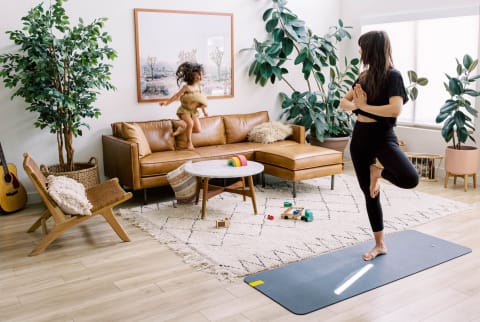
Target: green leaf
{"x": 422, "y": 81}
{"x": 287, "y": 46}
{"x": 467, "y": 61}
{"x": 412, "y": 76}
{"x": 271, "y": 24}
{"x": 267, "y": 14}
{"x": 455, "y": 86}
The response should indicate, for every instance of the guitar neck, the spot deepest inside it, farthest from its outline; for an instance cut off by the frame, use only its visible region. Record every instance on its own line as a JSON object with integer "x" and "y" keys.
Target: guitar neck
{"x": 4, "y": 163}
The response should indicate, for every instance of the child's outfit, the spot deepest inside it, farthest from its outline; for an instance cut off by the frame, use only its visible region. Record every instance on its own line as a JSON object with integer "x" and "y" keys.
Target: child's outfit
{"x": 187, "y": 100}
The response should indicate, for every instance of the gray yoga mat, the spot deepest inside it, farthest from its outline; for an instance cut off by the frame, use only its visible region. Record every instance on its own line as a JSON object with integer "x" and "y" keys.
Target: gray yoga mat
{"x": 314, "y": 283}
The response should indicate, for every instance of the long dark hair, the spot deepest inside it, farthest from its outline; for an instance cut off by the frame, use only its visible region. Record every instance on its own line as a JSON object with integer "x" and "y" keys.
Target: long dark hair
{"x": 186, "y": 72}
{"x": 377, "y": 59}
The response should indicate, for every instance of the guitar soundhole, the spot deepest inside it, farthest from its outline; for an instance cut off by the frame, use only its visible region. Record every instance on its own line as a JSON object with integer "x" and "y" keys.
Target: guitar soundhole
{"x": 8, "y": 178}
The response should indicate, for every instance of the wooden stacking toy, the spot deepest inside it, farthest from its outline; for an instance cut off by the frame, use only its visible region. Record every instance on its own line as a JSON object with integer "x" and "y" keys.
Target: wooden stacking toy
{"x": 238, "y": 160}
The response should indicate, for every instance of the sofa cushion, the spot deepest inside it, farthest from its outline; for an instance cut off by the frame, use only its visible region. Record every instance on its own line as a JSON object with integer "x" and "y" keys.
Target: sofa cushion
{"x": 161, "y": 163}
{"x": 69, "y": 195}
{"x": 298, "y": 157}
{"x": 269, "y": 132}
{"x": 134, "y": 133}
{"x": 159, "y": 134}
{"x": 237, "y": 126}
{"x": 212, "y": 133}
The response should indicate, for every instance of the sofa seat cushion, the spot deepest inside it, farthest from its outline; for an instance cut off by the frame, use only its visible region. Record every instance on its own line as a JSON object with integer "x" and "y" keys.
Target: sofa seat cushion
{"x": 226, "y": 151}
{"x": 298, "y": 157}
{"x": 161, "y": 163}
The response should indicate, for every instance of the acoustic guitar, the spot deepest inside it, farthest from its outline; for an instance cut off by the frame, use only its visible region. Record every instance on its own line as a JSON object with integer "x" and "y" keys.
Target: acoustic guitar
{"x": 13, "y": 196}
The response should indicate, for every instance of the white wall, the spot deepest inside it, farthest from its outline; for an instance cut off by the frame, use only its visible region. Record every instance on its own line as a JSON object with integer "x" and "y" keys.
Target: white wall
{"x": 18, "y": 135}
{"x": 354, "y": 12}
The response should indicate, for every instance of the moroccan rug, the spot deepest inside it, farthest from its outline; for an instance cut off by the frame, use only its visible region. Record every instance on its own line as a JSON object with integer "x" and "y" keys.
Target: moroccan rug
{"x": 254, "y": 243}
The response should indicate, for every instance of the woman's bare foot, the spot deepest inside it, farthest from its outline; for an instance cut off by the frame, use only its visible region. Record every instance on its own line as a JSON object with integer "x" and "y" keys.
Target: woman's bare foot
{"x": 376, "y": 251}
{"x": 375, "y": 175}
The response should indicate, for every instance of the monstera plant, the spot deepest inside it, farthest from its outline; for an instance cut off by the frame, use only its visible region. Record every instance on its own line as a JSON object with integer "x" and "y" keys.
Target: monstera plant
{"x": 58, "y": 70}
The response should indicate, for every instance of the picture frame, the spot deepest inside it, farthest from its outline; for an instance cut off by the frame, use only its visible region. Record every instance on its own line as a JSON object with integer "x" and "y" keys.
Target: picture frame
{"x": 166, "y": 38}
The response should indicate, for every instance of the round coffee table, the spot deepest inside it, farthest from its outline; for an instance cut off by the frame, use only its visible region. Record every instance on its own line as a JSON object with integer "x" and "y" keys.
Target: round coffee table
{"x": 205, "y": 170}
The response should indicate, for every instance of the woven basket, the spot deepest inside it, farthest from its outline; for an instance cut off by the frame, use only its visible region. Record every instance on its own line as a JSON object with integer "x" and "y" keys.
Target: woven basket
{"x": 85, "y": 173}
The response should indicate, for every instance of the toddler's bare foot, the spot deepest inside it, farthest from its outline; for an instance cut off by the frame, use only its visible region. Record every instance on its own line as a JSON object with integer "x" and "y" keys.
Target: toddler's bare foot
{"x": 375, "y": 175}
{"x": 376, "y": 251}
{"x": 178, "y": 131}
{"x": 190, "y": 147}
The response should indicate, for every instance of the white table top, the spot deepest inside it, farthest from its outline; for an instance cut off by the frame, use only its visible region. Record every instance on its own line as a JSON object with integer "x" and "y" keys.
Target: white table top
{"x": 221, "y": 169}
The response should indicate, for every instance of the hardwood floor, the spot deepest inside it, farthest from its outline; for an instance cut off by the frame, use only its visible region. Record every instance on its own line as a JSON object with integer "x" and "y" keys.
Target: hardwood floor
{"x": 88, "y": 274}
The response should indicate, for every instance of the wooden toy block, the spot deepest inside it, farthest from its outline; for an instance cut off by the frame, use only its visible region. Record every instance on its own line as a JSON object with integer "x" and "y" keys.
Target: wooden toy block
{"x": 222, "y": 223}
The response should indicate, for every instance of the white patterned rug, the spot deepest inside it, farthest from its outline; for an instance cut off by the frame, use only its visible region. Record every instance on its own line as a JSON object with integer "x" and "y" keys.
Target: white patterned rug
{"x": 254, "y": 243}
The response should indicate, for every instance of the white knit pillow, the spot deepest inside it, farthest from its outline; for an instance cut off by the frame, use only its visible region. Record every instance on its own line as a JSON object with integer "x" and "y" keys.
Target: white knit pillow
{"x": 69, "y": 194}
{"x": 269, "y": 132}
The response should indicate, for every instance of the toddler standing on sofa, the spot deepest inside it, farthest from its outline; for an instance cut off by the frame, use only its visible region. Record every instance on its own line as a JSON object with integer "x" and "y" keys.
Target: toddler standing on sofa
{"x": 191, "y": 98}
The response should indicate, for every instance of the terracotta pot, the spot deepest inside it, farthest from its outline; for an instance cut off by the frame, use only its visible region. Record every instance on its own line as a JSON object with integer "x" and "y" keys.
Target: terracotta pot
{"x": 338, "y": 144}
{"x": 463, "y": 161}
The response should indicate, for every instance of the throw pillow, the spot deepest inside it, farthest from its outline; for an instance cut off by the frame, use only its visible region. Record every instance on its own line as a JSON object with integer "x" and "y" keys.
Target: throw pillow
{"x": 269, "y": 132}
{"x": 69, "y": 195}
{"x": 183, "y": 184}
{"x": 134, "y": 133}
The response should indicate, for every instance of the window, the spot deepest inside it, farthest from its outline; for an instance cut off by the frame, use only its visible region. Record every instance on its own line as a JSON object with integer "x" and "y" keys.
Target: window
{"x": 430, "y": 46}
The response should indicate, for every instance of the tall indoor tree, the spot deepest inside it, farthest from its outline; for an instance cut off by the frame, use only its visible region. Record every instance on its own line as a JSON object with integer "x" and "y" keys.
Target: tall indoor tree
{"x": 58, "y": 69}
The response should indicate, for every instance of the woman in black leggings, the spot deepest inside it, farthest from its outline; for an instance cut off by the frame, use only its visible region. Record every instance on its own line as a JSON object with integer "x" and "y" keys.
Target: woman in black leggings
{"x": 377, "y": 98}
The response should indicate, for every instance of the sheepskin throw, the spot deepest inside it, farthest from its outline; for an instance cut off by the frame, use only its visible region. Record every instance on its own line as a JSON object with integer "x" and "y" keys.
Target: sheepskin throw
{"x": 269, "y": 132}
{"x": 69, "y": 195}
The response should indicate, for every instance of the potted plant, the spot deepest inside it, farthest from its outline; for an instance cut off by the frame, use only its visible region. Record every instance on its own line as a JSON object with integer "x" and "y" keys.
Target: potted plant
{"x": 315, "y": 105}
{"x": 327, "y": 78}
{"x": 58, "y": 70}
{"x": 458, "y": 116}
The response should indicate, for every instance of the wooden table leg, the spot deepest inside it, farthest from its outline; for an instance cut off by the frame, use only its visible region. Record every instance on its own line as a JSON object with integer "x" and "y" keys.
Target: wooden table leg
{"x": 252, "y": 193}
{"x": 204, "y": 199}
{"x": 243, "y": 189}
{"x": 197, "y": 191}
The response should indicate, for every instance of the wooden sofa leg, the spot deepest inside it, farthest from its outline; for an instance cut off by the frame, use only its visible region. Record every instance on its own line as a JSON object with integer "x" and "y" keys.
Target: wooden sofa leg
{"x": 144, "y": 196}
{"x": 332, "y": 182}
{"x": 294, "y": 191}
{"x": 263, "y": 180}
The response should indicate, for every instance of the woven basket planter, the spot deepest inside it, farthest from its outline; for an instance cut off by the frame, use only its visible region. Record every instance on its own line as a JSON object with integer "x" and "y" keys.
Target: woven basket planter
{"x": 85, "y": 173}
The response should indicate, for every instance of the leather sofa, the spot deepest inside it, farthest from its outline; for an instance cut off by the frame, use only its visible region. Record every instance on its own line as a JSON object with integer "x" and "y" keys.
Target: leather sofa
{"x": 222, "y": 137}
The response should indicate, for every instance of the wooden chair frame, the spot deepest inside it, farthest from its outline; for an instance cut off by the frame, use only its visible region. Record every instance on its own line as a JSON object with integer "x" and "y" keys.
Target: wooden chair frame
{"x": 103, "y": 198}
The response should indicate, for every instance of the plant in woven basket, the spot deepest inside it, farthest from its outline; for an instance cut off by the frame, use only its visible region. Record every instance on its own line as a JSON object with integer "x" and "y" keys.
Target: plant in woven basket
{"x": 58, "y": 69}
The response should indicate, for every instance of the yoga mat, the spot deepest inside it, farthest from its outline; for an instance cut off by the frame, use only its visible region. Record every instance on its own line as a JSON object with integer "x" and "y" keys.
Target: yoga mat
{"x": 317, "y": 282}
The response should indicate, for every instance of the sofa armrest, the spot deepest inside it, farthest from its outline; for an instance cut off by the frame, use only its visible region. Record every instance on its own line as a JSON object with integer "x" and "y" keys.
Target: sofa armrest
{"x": 298, "y": 134}
{"x": 121, "y": 160}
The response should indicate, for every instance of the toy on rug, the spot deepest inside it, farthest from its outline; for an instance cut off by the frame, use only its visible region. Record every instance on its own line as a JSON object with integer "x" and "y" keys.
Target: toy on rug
{"x": 238, "y": 160}
{"x": 222, "y": 223}
{"x": 308, "y": 216}
{"x": 292, "y": 213}
{"x": 270, "y": 217}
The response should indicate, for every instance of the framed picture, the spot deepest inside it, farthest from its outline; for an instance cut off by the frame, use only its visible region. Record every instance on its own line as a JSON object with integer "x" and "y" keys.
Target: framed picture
{"x": 166, "y": 38}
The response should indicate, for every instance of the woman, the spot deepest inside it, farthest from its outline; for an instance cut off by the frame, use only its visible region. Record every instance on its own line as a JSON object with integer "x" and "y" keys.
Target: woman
{"x": 377, "y": 98}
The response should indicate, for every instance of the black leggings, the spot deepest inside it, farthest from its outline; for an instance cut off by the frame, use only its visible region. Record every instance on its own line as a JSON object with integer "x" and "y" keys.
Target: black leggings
{"x": 375, "y": 140}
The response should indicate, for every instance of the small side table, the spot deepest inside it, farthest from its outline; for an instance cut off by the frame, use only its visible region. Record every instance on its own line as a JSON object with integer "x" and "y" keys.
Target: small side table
{"x": 205, "y": 170}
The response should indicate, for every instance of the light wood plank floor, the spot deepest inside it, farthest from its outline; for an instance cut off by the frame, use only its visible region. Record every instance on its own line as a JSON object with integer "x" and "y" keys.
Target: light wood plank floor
{"x": 89, "y": 275}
